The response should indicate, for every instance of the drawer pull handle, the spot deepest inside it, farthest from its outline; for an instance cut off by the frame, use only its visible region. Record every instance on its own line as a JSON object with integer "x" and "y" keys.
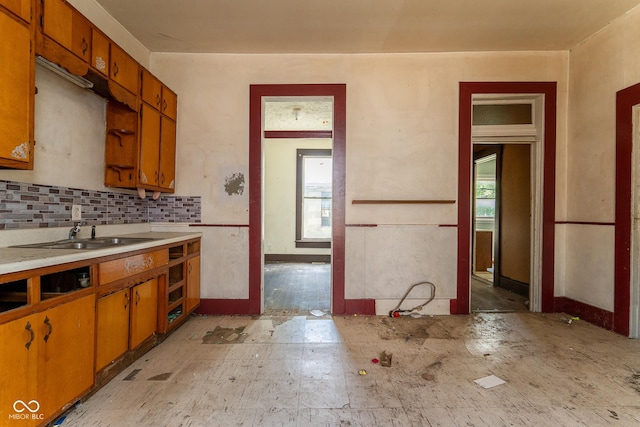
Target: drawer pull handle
{"x": 85, "y": 46}
{"x": 137, "y": 297}
{"x": 126, "y": 300}
{"x": 48, "y": 323}
{"x": 32, "y": 335}
{"x": 115, "y": 71}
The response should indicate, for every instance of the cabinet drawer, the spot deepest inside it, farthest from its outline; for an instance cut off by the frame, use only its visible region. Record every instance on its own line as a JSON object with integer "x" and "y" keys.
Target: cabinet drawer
{"x": 111, "y": 271}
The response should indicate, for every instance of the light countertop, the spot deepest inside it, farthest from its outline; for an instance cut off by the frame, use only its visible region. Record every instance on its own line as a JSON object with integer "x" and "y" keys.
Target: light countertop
{"x": 20, "y": 259}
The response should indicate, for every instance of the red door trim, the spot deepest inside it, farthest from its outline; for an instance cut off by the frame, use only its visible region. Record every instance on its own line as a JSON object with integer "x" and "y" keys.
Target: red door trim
{"x": 338, "y": 92}
{"x": 461, "y": 304}
{"x": 625, "y": 100}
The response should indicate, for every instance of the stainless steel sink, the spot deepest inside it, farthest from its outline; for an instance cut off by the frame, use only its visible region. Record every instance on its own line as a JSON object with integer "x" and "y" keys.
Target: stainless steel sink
{"x": 87, "y": 244}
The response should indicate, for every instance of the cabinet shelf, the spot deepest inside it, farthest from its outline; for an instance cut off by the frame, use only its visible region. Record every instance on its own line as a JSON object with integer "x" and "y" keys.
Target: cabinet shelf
{"x": 121, "y": 134}
{"x": 173, "y": 286}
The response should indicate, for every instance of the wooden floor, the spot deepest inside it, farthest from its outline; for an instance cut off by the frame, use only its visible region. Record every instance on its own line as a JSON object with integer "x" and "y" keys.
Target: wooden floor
{"x": 320, "y": 371}
{"x": 488, "y": 298}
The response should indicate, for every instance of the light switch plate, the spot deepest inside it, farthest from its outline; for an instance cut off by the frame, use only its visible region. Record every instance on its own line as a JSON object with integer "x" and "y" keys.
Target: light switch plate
{"x": 76, "y": 212}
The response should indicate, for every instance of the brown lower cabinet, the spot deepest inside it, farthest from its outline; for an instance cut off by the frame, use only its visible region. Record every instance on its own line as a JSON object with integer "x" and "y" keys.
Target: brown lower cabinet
{"x": 125, "y": 319}
{"x": 47, "y": 361}
{"x": 71, "y": 339}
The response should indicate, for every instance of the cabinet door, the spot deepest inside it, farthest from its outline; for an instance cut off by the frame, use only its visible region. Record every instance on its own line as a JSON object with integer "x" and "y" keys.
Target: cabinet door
{"x": 66, "y": 353}
{"x": 124, "y": 69}
{"x": 81, "y": 37}
{"x": 21, "y": 8}
{"x": 112, "y": 327}
{"x": 169, "y": 103}
{"x": 144, "y": 311}
{"x": 149, "y": 146}
{"x": 56, "y": 21}
{"x": 18, "y": 366}
{"x": 100, "y": 52}
{"x": 16, "y": 93}
{"x": 167, "y": 154}
{"x": 193, "y": 283}
{"x": 151, "y": 90}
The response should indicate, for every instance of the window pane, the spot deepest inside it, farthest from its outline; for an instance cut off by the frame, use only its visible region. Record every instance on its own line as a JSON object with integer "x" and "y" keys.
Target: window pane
{"x": 317, "y": 221}
{"x": 485, "y": 208}
{"x": 316, "y": 214}
{"x": 502, "y": 114}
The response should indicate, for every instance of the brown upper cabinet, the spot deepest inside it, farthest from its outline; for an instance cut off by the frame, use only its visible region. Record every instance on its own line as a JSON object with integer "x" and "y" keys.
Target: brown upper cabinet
{"x": 17, "y": 85}
{"x": 100, "y": 52}
{"x": 68, "y": 27}
{"x": 71, "y": 41}
{"x": 157, "y": 134}
{"x": 124, "y": 69}
{"x": 21, "y": 8}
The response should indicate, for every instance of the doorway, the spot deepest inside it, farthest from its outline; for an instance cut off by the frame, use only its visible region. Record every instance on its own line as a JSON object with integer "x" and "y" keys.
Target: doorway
{"x": 501, "y": 248}
{"x": 544, "y": 98}
{"x": 258, "y": 136}
{"x": 297, "y": 208}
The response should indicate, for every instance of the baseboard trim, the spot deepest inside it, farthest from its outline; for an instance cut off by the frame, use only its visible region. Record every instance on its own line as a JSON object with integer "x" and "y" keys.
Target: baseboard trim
{"x": 225, "y": 307}
{"x": 231, "y": 307}
{"x": 514, "y": 286}
{"x": 296, "y": 258}
{"x": 591, "y": 314}
{"x": 360, "y": 306}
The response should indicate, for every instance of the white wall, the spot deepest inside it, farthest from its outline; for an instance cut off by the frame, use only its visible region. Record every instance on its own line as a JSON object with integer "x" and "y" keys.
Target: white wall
{"x": 280, "y": 195}
{"x": 402, "y": 142}
{"x": 599, "y": 67}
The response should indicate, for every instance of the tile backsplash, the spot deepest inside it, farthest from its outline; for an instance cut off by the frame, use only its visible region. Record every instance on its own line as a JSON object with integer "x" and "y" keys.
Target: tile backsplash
{"x": 24, "y": 205}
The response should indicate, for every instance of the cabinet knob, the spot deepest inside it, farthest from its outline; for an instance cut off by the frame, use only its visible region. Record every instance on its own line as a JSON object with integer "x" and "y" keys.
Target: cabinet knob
{"x": 137, "y": 297}
{"x": 164, "y": 105}
{"x": 158, "y": 100}
{"x": 48, "y": 323}
{"x": 32, "y": 335}
{"x": 126, "y": 300}
{"x": 85, "y": 46}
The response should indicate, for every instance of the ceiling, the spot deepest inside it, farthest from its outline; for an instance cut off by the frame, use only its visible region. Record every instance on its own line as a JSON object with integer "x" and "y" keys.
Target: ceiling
{"x": 363, "y": 26}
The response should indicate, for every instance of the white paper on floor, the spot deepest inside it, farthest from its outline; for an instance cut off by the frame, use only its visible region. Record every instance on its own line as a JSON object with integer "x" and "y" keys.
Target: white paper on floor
{"x": 317, "y": 313}
{"x": 490, "y": 381}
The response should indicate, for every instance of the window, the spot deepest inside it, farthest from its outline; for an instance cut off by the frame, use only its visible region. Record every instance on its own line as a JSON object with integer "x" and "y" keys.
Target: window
{"x": 313, "y": 197}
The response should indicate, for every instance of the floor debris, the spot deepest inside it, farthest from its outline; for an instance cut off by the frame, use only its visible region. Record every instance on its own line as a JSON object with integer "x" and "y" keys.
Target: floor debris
{"x": 224, "y": 336}
{"x": 317, "y": 313}
{"x": 490, "y": 381}
{"x": 385, "y": 359}
{"x": 427, "y": 376}
{"x": 161, "y": 377}
{"x": 362, "y": 372}
{"x": 132, "y": 375}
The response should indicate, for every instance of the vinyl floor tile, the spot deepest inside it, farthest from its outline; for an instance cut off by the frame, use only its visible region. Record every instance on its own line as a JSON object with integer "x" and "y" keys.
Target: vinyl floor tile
{"x": 303, "y": 370}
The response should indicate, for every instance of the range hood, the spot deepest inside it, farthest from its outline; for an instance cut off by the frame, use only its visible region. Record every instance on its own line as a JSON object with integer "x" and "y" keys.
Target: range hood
{"x": 64, "y": 73}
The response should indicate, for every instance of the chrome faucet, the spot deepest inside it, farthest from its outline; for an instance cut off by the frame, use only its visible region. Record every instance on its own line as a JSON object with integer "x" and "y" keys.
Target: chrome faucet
{"x": 74, "y": 230}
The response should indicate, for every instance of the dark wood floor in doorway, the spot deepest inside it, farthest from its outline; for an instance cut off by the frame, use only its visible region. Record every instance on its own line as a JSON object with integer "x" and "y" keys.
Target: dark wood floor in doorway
{"x": 297, "y": 288}
{"x": 488, "y": 298}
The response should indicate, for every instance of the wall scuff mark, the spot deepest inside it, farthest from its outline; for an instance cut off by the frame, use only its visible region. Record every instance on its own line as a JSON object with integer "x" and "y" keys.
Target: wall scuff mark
{"x": 234, "y": 184}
